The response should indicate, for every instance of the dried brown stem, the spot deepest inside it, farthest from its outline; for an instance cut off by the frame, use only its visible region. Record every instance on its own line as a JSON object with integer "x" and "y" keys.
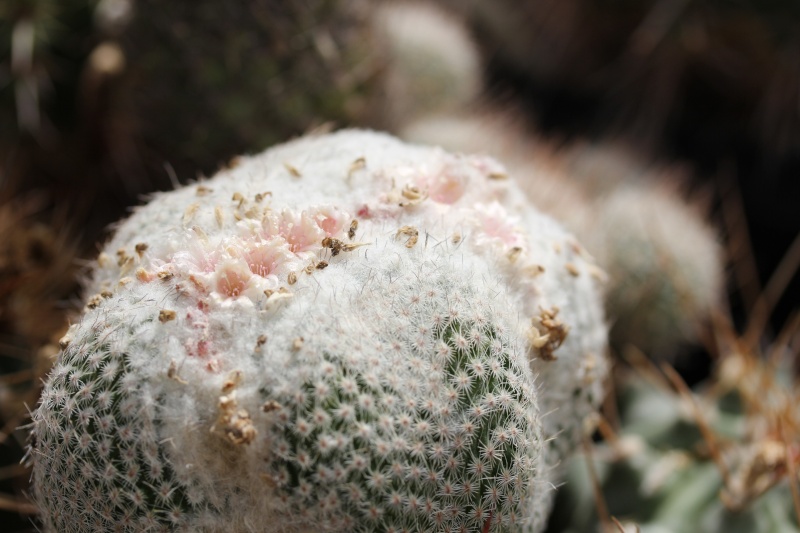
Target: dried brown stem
{"x": 620, "y": 527}
{"x": 17, "y": 377}
{"x": 9, "y": 427}
{"x": 17, "y": 505}
{"x": 645, "y": 367}
{"x": 607, "y": 431}
{"x": 784, "y": 339}
{"x": 610, "y": 409}
{"x": 12, "y": 471}
{"x": 599, "y": 500}
{"x": 740, "y": 249}
{"x": 702, "y": 424}
{"x": 772, "y": 292}
{"x": 792, "y": 469}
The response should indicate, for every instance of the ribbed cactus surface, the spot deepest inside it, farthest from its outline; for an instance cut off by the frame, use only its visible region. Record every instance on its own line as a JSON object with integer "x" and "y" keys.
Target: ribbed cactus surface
{"x": 344, "y": 333}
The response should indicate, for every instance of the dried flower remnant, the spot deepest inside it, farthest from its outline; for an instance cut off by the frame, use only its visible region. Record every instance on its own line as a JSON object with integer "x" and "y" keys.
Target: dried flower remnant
{"x": 165, "y": 315}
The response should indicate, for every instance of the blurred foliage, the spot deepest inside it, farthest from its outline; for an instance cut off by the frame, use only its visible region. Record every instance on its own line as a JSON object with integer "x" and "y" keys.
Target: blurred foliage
{"x": 210, "y": 80}
{"x": 723, "y": 458}
{"x": 43, "y": 45}
{"x": 101, "y": 100}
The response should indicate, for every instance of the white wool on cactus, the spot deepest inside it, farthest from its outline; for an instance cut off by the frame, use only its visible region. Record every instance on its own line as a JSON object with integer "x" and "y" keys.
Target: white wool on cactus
{"x": 344, "y": 333}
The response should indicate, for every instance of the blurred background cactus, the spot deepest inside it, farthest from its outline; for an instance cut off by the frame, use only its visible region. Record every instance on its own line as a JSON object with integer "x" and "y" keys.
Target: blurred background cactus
{"x": 664, "y": 265}
{"x": 432, "y": 65}
{"x": 250, "y": 75}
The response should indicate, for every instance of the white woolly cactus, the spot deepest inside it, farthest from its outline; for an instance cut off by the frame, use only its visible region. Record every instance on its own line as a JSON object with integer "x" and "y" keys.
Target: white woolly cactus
{"x": 340, "y": 334}
{"x": 432, "y": 64}
{"x": 664, "y": 265}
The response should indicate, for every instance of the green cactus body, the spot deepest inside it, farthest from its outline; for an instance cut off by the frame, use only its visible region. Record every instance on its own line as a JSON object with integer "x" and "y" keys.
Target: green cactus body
{"x": 431, "y": 429}
{"x": 328, "y": 337}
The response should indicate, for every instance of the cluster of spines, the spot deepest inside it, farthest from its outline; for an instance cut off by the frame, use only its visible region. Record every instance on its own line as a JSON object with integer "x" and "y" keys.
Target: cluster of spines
{"x": 96, "y": 444}
{"x": 378, "y": 453}
{"x": 366, "y": 454}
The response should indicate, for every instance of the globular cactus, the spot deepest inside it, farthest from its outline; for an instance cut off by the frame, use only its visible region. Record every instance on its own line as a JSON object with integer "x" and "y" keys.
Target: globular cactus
{"x": 432, "y": 64}
{"x": 344, "y": 333}
{"x": 664, "y": 264}
{"x": 260, "y": 72}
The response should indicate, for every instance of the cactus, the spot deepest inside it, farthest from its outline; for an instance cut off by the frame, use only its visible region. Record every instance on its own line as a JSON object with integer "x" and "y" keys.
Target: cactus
{"x": 340, "y": 334}
{"x": 259, "y": 72}
{"x": 664, "y": 264}
{"x": 664, "y": 260}
{"x": 432, "y": 64}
